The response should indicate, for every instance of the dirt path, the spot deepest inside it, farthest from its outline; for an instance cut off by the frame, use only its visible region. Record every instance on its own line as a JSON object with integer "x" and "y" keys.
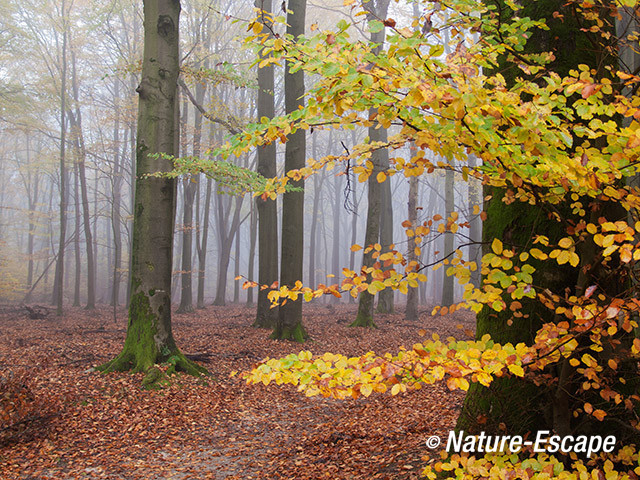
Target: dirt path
{"x": 106, "y": 426}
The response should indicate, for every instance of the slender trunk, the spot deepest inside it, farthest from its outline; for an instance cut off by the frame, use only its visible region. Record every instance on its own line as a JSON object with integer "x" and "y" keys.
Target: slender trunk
{"x": 116, "y": 201}
{"x": 267, "y": 209}
{"x": 226, "y": 243}
{"x": 236, "y": 268}
{"x": 76, "y": 241}
{"x": 202, "y": 251}
{"x": 385, "y": 297}
{"x": 253, "y": 232}
{"x": 447, "y": 284}
{"x": 411, "y": 310}
{"x": 335, "y": 255}
{"x": 364, "y": 318}
{"x": 58, "y": 286}
{"x": 289, "y": 324}
{"x": 33, "y": 200}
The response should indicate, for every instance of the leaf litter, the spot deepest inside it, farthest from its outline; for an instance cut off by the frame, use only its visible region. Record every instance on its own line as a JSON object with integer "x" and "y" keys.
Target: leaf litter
{"x": 108, "y": 427}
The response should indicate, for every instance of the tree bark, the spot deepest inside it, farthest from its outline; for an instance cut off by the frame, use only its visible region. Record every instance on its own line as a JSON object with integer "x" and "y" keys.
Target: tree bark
{"x": 149, "y": 337}
{"x": 189, "y": 186}
{"x": 447, "y": 283}
{"x": 411, "y": 310}
{"x": 267, "y": 209}
{"x": 58, "y": 284}
{"x": 289, "y": 325}
{"x": 364, "y": 317}
{"x": 81, "y": 154}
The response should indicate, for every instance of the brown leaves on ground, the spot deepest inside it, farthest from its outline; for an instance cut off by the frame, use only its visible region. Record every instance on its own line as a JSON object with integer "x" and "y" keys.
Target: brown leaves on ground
{"x": 107, "y": 426}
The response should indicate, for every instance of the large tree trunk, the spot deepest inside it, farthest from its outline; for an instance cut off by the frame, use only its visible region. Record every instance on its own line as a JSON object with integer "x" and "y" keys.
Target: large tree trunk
{"x": 149, "y": 337}
{"x": 289, "y": 325}
{"x": 519, "y": 405}
{"x": 267, "y": 209}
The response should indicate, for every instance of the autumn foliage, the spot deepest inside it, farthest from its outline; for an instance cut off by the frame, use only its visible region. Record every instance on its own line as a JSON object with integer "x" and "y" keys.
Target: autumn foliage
{"x": 24, "y": 412}
{"x": 566, "y": 144}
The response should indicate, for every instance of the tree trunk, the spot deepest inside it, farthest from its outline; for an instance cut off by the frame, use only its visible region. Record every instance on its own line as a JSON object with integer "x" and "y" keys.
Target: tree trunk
{"x": 116, "y": 201}
{"x": 226, "y": 243}
{"x": 33, "y": 186}
{"x": 267, "y": 209}
{"x": 58, "y": 284}
{"x": 364, "y": 317}
{"x": 475, "y": 224}
{"x": 447, "y": 283}
{"x": 76, "y": 241}
{"x": 411, "y": 310}
{"x": 289, "y": 325}
{"x": 519, "y": 405}
{"x": 202, "y": 250}
{"x": 336, "y": 267}
{"x": 149, "y": 337}
{"x": 81, "y": 154}
{"x": 253, "y": 232}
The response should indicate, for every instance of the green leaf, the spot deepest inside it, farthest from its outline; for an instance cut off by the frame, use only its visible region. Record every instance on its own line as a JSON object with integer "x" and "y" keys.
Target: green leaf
{"x": 376, "y": 26}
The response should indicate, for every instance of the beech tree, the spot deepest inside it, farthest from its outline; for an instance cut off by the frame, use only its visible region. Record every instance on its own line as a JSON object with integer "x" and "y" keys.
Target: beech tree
{"x": 267, "y": 208}
{"x": 380, "y": 161}
{"x": 149, "y": 336}
{"x": 289, "y": 324}
{"x": 557, "y": 304}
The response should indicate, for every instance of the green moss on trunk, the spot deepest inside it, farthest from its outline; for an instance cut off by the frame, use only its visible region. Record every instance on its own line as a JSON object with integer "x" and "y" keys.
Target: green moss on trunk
{"x": 515, "y": 403}
{"x": 364, "y": 318}
{"x": 296, "y": 333}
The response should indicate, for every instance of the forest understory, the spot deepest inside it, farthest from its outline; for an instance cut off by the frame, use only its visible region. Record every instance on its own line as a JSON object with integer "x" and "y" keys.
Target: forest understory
{"x": 84, "y": 424}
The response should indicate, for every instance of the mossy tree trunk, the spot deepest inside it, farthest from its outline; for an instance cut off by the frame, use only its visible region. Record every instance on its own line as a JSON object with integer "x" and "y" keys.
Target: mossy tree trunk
{"x": 289, "y": 324}
{"x": 149, "y": 338}
{"x": 515, "y": 403}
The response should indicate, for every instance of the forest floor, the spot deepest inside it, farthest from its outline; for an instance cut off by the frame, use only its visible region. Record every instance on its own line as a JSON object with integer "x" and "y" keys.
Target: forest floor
{"x": 106, "y": 426}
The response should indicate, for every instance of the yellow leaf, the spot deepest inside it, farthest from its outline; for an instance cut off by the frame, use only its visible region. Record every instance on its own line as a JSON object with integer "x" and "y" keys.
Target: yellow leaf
{"x": 516, "y": 370}
{"x": 496, "y": 246}
{"x": 395, "y": 389}
{"x": 366, "y": 390}
{"x": 381, "y": 177}
{"x": 565, "y": 242}
{"x": 355, "y": 248}
{"x": 574, "y": 259}
{"x": 538, "y": 254}
{"x": 563, "y": 257}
